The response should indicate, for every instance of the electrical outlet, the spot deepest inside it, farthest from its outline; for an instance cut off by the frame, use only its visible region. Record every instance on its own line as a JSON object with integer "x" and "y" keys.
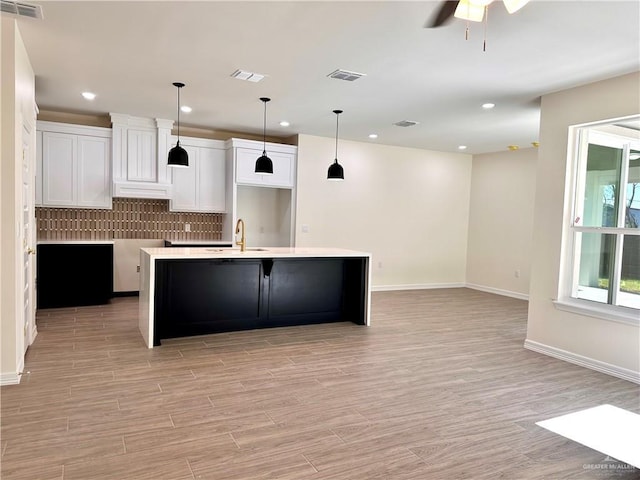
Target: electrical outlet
{"x": 305, "y": 228}
{"x": 516, "y": 274}
{"x": 379, "y": 264}
{"x": 138, "y": 269}
{"x": 187, "y": 227}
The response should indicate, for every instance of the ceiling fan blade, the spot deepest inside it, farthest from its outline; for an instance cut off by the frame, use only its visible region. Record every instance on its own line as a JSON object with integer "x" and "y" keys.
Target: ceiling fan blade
{"x": 445, "y": 13}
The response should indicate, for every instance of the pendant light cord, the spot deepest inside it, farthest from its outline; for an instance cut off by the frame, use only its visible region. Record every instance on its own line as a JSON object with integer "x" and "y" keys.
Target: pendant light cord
{"x": 178, "y": 142}
{"x": 264, "y": 130}
{"x": 337, "y": 116}
{"x": 486, "y": 21}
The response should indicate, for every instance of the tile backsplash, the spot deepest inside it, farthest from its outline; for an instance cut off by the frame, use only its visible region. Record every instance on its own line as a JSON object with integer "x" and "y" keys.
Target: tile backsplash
{"x": 130, "y": 218}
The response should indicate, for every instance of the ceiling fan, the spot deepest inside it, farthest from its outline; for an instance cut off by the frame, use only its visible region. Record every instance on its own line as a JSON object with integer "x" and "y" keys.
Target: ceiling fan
{"x": 471, "y": 10}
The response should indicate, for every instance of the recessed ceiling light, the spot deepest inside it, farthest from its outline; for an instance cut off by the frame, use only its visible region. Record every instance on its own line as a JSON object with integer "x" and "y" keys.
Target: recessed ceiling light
{"x": 186, "y": 109}
{"x": 488, "y": 106}
{"x": 284, "y": 123}
{"x": 89, "y": 95}
{"x": 462, "y": 147}
{"x": 373, "y": 135}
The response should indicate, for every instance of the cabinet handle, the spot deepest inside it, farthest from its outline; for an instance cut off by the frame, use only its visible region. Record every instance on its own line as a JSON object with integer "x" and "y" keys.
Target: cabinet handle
{"x": 31, "y": 251}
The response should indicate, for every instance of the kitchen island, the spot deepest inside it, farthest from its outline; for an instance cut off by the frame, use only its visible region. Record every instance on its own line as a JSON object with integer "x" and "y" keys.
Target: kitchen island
{"x": 199, "y": 291}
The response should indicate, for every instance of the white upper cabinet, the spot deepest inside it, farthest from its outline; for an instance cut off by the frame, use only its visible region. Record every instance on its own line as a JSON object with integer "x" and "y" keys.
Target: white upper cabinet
{"x": 201, "y": 187}
{"x": 73, "y": 166}
{"x": 140, "y": 148}
{"x": 246, "y": 152}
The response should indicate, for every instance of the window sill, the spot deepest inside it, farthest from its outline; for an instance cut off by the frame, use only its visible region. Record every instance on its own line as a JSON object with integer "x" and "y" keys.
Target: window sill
{"x": 628, "y": 316}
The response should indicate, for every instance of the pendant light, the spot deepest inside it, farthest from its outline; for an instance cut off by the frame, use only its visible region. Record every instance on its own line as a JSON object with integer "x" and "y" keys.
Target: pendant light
{"x": 336, "y": 172}
{"x": 264, "y": 165}
{"x": 177, "y": 155}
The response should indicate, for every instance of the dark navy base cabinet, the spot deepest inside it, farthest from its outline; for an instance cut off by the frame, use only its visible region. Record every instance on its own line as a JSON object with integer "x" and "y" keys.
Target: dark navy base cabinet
{"x": 203, "y": 296}
{"x": 73, "y": 275}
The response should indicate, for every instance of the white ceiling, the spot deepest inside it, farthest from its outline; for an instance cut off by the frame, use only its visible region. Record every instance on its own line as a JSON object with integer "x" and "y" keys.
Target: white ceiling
{"x": 129, "y": 53}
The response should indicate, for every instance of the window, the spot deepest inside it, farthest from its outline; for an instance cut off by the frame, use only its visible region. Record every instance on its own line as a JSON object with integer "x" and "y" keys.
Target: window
{"x": 605, "y": 227}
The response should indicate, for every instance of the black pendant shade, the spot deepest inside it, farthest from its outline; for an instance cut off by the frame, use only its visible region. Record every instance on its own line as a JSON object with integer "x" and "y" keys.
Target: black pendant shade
{"x": 336, "y": 172}
{"x": 177, "y": 155}
{"x": 264, "y": 165}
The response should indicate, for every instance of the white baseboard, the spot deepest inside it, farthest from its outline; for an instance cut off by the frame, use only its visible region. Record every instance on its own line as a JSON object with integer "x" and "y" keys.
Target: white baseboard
{"x": 583, "y": 361}
{"x": 13, "y": 378}
{"x": 415, "y": 286}
{"x": 498, "y": 291}
{"x": 427, "y": 286}
{"x": 9, "y": 379}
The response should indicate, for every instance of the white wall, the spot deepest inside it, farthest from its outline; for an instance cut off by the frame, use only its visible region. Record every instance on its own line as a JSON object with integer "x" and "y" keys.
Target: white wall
{"x": 408, "y": 207}
{"x": 266, "y": 213}
{"x": 501, "y": 221}
{"x": 18, "y": 107}
{"x": 126, "y": 259}
{"x": 598, "y": 343}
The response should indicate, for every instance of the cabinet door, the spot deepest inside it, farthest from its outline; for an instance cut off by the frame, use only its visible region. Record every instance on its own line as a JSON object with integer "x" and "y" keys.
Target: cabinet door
{"x": 94, "y": 178}
{"x": 201, "y": 186}
{"x": 184, "y": 197}
{"x": 282, "y": 169}
{"x": 59, "y": 152}
{"x": 211, "y": 180}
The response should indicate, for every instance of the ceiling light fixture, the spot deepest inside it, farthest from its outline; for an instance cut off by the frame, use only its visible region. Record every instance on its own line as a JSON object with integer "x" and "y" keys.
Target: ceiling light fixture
{"x": 474, "y": 10}
{"x": 462, "y": 147}
{"x": 488, "y": 106}
{"x": 336, "y": 172}
{"x": 284, "y": 123}
{"x": 89, "y": 95}
{"x": 177, "y": 155}
{"x": 373, "y": 136}
{"x": 478, "y": 11}
{"x": 186, "y": 109}
{"x": 264, "y": 165}
{"x": 513, "y": 147}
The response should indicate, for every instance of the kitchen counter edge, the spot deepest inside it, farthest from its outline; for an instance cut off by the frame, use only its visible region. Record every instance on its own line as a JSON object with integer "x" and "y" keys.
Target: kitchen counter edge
{"x": 267, "y": 252}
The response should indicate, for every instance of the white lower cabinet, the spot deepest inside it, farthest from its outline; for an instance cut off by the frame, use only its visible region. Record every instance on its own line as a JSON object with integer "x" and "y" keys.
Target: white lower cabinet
{"x": 73, "y": 166}
{"x": 201, "y": 186}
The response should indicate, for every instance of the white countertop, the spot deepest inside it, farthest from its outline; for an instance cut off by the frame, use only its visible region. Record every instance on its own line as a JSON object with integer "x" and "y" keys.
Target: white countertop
{"x": 196, "y": 243}
{"x": 266, "y": 252}
{"x": 75, "y": 242}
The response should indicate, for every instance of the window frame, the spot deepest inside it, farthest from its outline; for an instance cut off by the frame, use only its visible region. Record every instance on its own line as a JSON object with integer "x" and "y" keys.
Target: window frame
{"x": 578, "y": 139}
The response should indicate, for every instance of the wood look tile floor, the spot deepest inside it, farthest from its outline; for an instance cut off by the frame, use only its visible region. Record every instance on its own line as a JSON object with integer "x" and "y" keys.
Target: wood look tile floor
{"x": 439, "y": 387}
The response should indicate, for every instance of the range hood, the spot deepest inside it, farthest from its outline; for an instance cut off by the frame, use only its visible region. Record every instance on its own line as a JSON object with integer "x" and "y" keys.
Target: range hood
{"x": 140, "y": 147}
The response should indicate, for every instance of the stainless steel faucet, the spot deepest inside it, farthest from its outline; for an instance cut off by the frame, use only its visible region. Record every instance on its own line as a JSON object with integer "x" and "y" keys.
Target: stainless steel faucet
{"x": 243, "y": 240}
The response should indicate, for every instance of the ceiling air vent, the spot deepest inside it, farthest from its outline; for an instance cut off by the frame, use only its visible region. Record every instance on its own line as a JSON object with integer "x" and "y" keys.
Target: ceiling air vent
{"x": 346, "y": 75}
{"x": 406, "y": 123}
{"x": 249, "y": 76}
{"x": 21, "y": 9}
